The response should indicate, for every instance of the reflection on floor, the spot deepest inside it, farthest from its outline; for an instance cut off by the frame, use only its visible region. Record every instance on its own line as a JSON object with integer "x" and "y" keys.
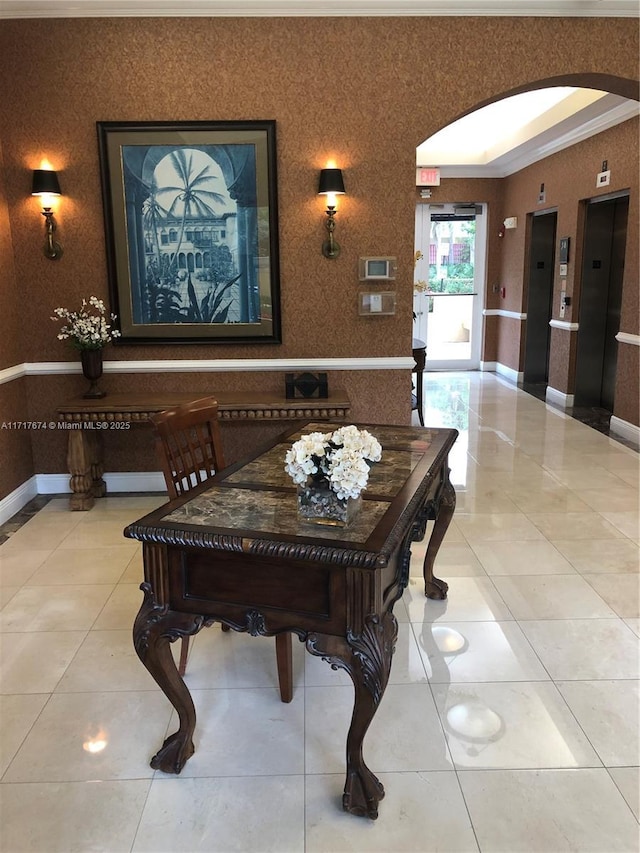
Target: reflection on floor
{"x": 593, "y": 416}
{"x": 510, "y": 721}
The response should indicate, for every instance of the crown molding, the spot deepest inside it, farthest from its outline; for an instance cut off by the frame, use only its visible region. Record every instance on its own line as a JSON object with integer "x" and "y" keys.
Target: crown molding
{"x": 315, "y": 8}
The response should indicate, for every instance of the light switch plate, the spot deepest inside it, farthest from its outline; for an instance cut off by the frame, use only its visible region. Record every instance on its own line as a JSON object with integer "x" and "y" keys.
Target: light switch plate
{"x": 377, "y": 304}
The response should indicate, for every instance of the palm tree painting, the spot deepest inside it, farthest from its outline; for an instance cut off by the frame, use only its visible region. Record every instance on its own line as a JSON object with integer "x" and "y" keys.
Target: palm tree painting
{"x": 188, "y": 219}
{"x": 191, "y": 222}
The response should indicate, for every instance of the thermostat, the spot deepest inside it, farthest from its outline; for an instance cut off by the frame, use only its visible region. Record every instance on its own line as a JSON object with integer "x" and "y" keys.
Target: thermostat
{"x": 377, "y": 269}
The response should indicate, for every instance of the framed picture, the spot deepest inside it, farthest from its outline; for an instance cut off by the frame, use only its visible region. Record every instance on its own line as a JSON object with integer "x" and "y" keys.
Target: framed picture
{"x": 192, "y": 230}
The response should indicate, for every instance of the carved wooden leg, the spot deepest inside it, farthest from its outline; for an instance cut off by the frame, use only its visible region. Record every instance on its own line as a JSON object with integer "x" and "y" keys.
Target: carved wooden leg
{"x": 435, "y": 587}
{"x": 367, "y": 659}
{"x": 155, "y": 627}
{"x": 284, "y": 658}
{"x": 94, "y": 446}
{"x": 79, "y": 464}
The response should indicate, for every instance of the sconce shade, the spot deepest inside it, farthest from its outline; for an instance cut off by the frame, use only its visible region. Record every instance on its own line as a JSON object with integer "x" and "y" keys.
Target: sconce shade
{"x": 45, "y": 181}
{"x": 331, "y": 182}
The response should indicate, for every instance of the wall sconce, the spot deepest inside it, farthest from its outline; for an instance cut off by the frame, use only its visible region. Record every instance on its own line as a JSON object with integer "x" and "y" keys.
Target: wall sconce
{"x": 331, "y": 185}
{"x": 46, "y": 185}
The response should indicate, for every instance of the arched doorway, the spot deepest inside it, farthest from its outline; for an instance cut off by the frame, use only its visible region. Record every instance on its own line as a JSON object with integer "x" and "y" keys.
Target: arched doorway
{"x": 504, "y": 312}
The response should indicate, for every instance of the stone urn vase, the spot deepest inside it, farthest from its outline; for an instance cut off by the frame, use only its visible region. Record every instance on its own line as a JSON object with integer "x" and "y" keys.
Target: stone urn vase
{"x": 92, "y": 369}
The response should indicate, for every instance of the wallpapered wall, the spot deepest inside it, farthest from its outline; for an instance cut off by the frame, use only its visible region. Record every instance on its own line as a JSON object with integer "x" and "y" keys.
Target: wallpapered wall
{"x": 366, "y": 101}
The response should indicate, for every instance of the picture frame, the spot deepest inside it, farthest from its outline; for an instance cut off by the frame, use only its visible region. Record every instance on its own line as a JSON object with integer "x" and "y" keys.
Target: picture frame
{"x": 191, "y": 229}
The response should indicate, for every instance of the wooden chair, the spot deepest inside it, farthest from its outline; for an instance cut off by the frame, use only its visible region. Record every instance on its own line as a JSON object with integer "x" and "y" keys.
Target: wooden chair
{"x": 189, "y": 448}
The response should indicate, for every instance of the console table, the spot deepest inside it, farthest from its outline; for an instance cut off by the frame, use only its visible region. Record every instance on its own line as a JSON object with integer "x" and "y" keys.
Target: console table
{"x": 234, "y": 551}
{"x": 88, "y": 420}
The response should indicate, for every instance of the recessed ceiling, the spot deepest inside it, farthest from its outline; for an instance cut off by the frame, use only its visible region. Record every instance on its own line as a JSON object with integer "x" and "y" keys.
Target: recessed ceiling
{"x": 508, "y": 135}
{"x": 312, "y": 8}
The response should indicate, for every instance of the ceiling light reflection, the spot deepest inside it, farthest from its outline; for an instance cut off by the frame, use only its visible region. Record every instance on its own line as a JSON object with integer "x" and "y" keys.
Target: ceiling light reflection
{"x": 97, "y": 743}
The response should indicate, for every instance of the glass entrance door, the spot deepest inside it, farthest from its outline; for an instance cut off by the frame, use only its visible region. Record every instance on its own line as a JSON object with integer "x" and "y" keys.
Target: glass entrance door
{"x": 449, "y": 283}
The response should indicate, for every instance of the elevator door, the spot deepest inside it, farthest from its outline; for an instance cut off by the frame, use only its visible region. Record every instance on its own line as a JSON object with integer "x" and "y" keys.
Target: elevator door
{"x": 540, "y": 298}
{"x": 600, "y": 301}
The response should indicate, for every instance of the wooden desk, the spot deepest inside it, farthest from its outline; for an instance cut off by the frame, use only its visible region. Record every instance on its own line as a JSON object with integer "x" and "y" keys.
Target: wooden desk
{"x": 235, "y": 552}
{"x": 88, "y": 420}
{"x": 419, "y": 353}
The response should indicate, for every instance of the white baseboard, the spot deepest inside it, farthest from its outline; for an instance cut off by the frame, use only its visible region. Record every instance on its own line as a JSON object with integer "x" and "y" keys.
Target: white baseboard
{"x": 58, "y": 484}
{"x": 118, "y": 481}
{"x": 630, "y": 432}
{"x": 14, "y": 501}
{"x": 559, "y": 398}
{"x": 488, "y": 366}
{"x": 509, "y": 373}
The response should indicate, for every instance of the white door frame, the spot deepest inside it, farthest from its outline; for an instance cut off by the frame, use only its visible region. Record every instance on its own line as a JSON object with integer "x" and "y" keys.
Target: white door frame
{"x": 422, "y": 230}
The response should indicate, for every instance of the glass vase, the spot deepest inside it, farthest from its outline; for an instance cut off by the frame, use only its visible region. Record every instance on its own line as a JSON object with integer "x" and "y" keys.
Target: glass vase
{"x": 319, "y": 504}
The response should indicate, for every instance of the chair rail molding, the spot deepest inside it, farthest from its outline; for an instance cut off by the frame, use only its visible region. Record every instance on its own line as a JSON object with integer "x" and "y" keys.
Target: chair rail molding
{"x": 223, "y": 365}
{"x": 500, "y": 312}
{"x": 564, "y": 324}
{"x": 628, "y": 338}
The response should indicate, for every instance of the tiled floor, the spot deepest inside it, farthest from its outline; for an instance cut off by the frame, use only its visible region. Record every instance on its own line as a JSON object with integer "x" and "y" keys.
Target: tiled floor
{"x": 511, "y": 721}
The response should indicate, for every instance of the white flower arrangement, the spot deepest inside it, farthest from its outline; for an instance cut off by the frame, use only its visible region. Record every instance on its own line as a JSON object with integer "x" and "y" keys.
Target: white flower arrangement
{"x": 340, "y": 458}
{"x": 85, "y": 330}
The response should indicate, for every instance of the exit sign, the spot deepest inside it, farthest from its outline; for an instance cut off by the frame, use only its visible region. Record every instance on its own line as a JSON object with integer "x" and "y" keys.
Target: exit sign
{"x": 427, "y": 176}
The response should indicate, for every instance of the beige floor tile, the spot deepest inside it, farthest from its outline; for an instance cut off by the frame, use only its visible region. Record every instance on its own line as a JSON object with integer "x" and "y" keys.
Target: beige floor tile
{"x": 622, "y": 499}
{"x": 72, "y": 817}
{"x": 574, "y": 525}
{"x": 548, "y": 810}
{"x": 54, "y": 608}
{"x": 484, "y": 500}
{"x": 134, "y": 572}
{"x": 532, "y": 557}
{"x": 420, "y": 812}
{"x": 627, "y": 780}
{"x": 17, "y": 566}
{"x": 96, "y": 534}
{"x": 43, "y": 537}
{"x": 551, "y": 597}
{"x": 7, "y": 593}
{"x": 621, "y": 592}
{"x": 83, "y": 566}
{"x": 593, "y": 556}
{"x": 34, "y": 662}
{"x": 18, "y": 713}
{"x": 628, "y": 523}
{"x": 477, "y": 651}
{"x": 559, "y": 499}
{"x": 454, "y": 559}
{"x": 511, "y": 725}
{"x": 468, "y": 599}
{"x": 609, "y": 713}
{"x": 242, "y": 733}
{"x": 106, "y": 661}
{"x": 390, "y": 744}
{"x": 634, "y": 624}
{"x": 264, "y": 814}
{"x": 584, "y": 476}
{"x": 496, "y": 527}
{"x": 583, "y": 649}
{"x": 61, "y": 746}
{"x": 121, "y": 608}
